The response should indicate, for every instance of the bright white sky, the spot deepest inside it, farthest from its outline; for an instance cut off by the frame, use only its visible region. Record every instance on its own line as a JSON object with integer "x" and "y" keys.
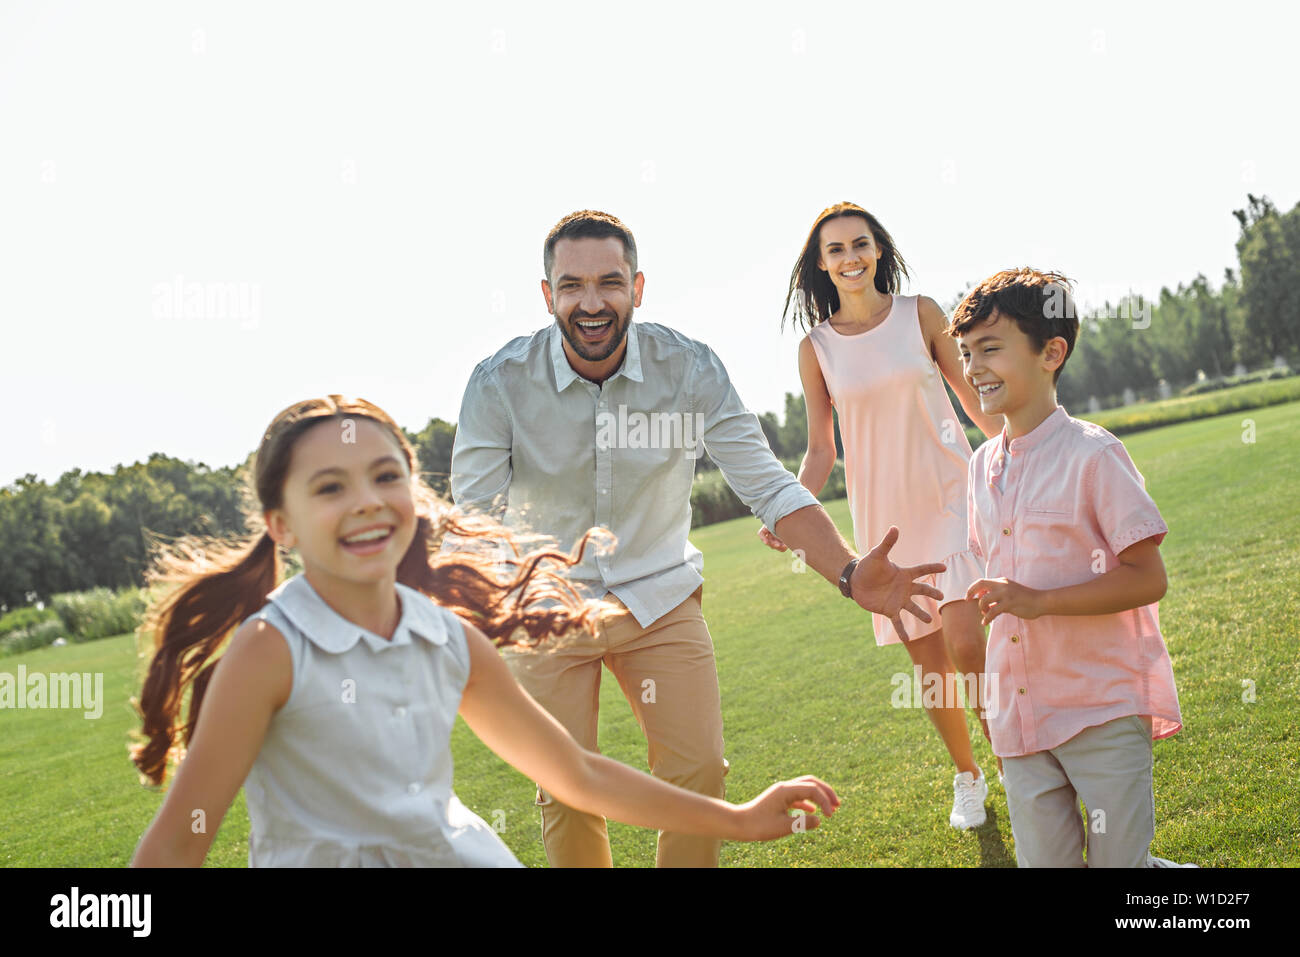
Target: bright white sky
{"x": 380, "y": 178}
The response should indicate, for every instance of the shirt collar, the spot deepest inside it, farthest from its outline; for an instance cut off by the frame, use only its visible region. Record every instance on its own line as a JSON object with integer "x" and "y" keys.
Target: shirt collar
{"x": 331, "y": 632}
{"x": 1041, "y": 431}
{"x": 564, "y": 374}
{"x": 1044, "y": 429}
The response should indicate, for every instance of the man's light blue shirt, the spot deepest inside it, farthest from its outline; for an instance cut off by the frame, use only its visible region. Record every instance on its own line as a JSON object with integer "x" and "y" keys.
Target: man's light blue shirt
{"x": 555, "y": 454}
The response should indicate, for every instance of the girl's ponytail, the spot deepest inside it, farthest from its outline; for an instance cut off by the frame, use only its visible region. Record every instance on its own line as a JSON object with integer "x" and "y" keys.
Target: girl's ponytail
{"x": 512, "y": 599}
{"x": 221, "y": 586}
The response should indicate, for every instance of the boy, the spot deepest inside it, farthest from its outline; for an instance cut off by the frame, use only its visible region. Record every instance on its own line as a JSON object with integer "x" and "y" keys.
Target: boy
{"x": 1069, "y": 538}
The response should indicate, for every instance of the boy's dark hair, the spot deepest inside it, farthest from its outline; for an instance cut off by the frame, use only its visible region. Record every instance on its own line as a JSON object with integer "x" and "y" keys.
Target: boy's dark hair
{"x": 588, "y": 224}
{"x": 1039, "y": 303}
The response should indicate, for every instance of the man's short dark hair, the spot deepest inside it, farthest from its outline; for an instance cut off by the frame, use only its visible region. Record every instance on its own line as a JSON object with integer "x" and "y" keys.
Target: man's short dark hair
{"x": 1038, "y": 302}
{"x": 588, "y": 224}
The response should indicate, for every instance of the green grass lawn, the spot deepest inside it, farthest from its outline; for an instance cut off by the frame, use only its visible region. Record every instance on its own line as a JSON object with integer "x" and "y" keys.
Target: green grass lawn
{"x": 806, "y": 690}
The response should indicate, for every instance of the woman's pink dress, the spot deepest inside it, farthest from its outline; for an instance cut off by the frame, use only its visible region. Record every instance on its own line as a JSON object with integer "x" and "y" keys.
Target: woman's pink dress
{"x": 905, "y": 453}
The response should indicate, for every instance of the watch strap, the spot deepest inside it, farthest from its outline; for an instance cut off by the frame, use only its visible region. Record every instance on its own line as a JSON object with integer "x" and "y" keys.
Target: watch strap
{"x": 846, "y": 576}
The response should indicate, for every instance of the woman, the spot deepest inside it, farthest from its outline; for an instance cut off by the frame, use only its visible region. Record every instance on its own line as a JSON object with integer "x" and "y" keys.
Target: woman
{"x": 878, "y": 358}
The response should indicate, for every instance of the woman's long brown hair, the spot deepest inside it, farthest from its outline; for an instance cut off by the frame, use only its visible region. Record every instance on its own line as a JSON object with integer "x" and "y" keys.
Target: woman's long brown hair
{"x": 222, "y": 584}
{"x": 813, "y": 293}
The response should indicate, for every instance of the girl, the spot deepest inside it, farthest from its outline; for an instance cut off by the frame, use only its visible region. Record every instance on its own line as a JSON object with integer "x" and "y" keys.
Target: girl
{"x": 877, "y": 357}
{"x": 334, "y": 704}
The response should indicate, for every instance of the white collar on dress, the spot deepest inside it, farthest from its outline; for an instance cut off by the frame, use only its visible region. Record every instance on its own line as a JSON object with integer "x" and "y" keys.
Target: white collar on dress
{"x": 331, "y": 632}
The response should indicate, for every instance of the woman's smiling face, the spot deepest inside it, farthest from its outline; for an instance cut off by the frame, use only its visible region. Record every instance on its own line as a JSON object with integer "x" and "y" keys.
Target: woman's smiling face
{"x": 848, "y": 253}
{"x": 348, "y": 507}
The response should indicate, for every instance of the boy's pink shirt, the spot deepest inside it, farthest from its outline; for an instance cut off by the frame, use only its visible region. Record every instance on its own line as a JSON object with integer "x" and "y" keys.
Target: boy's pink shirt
{"x": 1073, "y": 501}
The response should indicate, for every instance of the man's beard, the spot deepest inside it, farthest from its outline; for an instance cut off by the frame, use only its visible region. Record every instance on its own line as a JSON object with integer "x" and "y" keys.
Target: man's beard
{"x": 596, "y": 353}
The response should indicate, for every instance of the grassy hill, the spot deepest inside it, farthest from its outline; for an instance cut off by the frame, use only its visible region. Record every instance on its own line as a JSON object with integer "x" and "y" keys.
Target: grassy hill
{"x": 805, "y": 690}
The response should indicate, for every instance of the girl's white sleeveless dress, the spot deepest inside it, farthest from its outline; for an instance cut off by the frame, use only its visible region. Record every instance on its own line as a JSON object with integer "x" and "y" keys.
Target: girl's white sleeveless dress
{"x": 356, "y": 768}
{"x": 905, "y": 453}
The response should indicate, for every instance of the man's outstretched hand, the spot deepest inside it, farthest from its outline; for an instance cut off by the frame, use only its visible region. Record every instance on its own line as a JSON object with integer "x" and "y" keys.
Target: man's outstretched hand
{"x": 877, "y": 585}
{"x": 880, "y": 586}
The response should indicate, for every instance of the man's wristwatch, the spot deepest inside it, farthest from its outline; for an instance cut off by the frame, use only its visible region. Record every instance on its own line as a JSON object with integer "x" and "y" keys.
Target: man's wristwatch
{"x": 846, "y": 576}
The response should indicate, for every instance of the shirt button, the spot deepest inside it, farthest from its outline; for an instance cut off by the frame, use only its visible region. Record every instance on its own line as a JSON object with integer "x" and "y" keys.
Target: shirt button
{"x": 1022, "y": 690}
{"x": 400, "y": 710}
{"x": 1015, "y": 637}
{"x": 1006, "y": 531}
{"x": 413, "y": 788}
{"x": 604, "y": 491}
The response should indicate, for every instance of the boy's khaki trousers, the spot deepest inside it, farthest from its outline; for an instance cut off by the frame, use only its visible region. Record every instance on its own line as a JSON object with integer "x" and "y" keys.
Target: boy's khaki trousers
{"x": 1109, "y": 768}
{"x": 668, "y": 675}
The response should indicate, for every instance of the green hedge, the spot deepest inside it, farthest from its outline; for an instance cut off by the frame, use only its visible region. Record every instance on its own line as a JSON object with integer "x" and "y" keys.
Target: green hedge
{"x": 712, "y": 499}
{"x": 76, "y": 616}
{"x": 1271, "y": 387}
{"x": 1232, "y": 381}
{"x": 20, "y": 619}
{"x": 99, "y": 612}
{"x": 37, "y": 635}
{"x": 1150, "y": 415}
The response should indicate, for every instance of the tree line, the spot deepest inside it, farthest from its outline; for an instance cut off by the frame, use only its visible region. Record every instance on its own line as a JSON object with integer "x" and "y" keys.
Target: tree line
{"x": 93, "y": 529}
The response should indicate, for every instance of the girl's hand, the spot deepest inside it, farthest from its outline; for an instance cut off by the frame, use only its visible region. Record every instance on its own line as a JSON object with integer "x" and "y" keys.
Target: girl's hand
{"x": 999, "y": 596}
{"x": 768, "y": 817}
{"x": 525, "y": 736}
{"x": 770, "y": 540}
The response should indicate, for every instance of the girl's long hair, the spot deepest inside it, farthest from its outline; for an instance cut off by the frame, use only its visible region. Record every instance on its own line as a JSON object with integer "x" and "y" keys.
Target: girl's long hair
{"x": 513, "y": 599}
{"x": 812, "y": 293}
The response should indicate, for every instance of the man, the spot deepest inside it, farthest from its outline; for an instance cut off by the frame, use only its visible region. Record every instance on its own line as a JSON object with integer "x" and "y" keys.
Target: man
{"x": 593, "y": 421}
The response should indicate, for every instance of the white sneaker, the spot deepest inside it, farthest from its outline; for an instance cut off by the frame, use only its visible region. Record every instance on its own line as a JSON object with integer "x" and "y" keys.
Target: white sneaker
{"x": 968, "y": 796}
{"x": 1153, "y": 861}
